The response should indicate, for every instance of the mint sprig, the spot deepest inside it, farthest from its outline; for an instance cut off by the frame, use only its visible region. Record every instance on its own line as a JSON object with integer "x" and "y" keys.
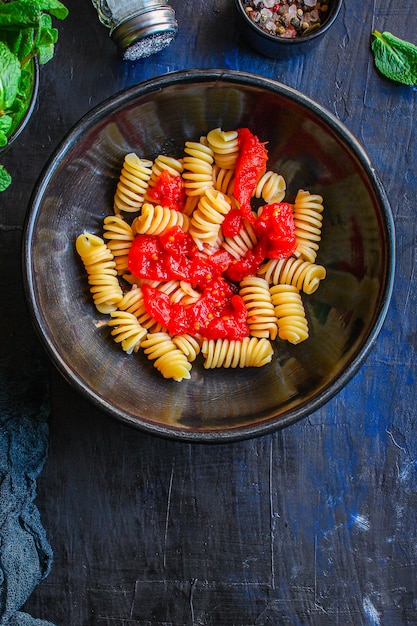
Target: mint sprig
{"x": 395, "y": 58}
{"x": 26, "y": 31}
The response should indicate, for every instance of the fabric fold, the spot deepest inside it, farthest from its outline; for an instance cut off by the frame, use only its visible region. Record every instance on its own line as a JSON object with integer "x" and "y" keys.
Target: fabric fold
{"x": 25, "y": 553}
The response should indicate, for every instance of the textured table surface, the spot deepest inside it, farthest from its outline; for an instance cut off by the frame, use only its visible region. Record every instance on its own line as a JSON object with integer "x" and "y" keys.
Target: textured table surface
{"x": 312, "y": 525}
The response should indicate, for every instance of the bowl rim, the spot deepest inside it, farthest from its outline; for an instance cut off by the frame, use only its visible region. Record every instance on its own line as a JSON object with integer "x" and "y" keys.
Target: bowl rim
{"x": 156, "y": 84}
{"x": 28, "y": 113}
{"x": 299, "y": 41}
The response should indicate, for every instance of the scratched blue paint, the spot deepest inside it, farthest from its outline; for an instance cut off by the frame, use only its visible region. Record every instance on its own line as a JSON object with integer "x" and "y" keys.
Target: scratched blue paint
{"x": 371, "y": 614}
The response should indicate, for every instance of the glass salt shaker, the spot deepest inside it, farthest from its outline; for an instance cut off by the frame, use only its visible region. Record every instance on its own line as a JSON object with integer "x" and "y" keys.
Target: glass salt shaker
{"x": 138, "y": 27}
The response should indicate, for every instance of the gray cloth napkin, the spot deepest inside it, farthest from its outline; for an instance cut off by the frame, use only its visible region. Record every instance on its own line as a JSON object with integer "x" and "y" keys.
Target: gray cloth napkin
{"x": 25, "y": 554}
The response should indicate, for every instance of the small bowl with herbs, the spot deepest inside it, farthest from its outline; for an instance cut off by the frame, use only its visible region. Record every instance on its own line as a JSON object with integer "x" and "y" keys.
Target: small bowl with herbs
{"x": 27, "y": 40}
{"x": 285, "y": 28}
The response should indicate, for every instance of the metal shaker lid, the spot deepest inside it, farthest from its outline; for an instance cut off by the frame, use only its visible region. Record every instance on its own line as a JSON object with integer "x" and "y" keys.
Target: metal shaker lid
{"x": 146, "y": 32}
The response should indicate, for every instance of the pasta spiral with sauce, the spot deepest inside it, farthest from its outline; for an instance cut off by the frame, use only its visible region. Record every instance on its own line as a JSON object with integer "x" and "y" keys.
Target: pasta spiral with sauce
{"x": 133, "y": 303}
{"x": 239, "y": 245}
{"x": 265, "y": 280}
{"x": 119, "y": 237}
{"x": 308, "y": 222}
{"x": 162, "y": 163}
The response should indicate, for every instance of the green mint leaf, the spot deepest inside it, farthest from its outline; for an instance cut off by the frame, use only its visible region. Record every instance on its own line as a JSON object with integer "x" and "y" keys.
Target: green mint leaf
{"x": 12, "y": 39}
{"x": 21, "y": 14}
{"x": 45, "y": 39}
{"x": 9, "y": 77}
{"x": 395, "y": 58}
{"x": 55, "y": 8}
{"x": 5, "y": 178}
{"x": 6, "y": 122}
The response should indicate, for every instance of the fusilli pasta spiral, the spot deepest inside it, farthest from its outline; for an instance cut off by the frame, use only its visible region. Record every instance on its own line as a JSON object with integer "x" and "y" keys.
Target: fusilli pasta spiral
{"x": 270, "y": 187}
{"x": 245, "y": 240}
{"x": 198, "y": 168}
{"x": 168, "y": 359}
{"x": 208, "y": 216}
{"x": 188, "y": 345}
{"x": 126, "y": 330}
{"x": 250, "y": 352}
{"x": 261, "y": 318}
{"x": 308, "y": 222}
{"x": 162, "y": 163}
{"x": 289, "y": 309}
{"x": 225, "y": 293}
{"x": 180, "y": 291}
{"x": 101, "y": 271}
{"x": 119, "y": 237}
{"x": 132, "y": 302}
{"x": 304, "y": 275}
{"x": 225, "y": 147}
{"x": 132, "y": 185}
{"x": 223, "y": 180}
{"x": 157, "y": 220}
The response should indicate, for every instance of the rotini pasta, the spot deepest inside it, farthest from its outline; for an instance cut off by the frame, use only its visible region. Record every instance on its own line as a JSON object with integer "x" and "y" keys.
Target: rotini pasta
{"x": 133, "y": 302}
{"x": 168, "y": 359}
{"x": 126, "y": 330}
{"x": 261, "y": 320}
{"x": 270, "y": 187}
{"x": 119, "y": 237}
{"x": 133, "y": 184}
{"x": 223, "y": 180}
{"x": 308, "y": 221}
{"x": 180, "y": 291}
{"x": 101, "y": 270}
{"x": 289, "y": 309}
{"x": 304, "y": 275}
{"x": 208, "y": 216}
{"x": 245, "y": 240}
{"x": 249, "y": 352}
{"x": 189, "y": 345}
{"x": 162, "y": 163}
{"x": 198, "y": 168}
{"x": 225, "y": 147}
{"x": 213, "y": 262}
{"x": 157, "y": 220}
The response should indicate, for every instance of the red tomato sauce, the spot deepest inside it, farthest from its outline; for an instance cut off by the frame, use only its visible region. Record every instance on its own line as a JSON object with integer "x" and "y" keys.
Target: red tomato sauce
{"x": 220, "y": 312}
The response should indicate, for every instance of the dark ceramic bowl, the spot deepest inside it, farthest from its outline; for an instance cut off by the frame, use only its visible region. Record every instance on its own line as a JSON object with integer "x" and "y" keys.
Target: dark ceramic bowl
{"x": 312, "y": 150}
{"x": 21, "y": 122}
{"x": 278, "y": 47}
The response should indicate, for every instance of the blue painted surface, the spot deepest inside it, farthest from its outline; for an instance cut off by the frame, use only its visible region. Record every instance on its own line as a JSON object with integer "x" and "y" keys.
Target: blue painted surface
{"x": 312, "y": 525}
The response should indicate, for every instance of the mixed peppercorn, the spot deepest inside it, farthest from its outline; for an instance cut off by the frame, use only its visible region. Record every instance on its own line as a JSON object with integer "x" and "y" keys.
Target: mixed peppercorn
{"x": 289, "y": 18}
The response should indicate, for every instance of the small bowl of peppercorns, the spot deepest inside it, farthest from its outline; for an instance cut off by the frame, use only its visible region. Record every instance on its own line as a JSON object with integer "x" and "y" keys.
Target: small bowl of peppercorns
{"x": 285, "y": 28}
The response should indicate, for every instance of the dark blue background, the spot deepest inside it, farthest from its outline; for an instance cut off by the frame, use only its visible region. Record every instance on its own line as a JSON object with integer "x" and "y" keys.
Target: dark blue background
{"x": 312, "y": 525}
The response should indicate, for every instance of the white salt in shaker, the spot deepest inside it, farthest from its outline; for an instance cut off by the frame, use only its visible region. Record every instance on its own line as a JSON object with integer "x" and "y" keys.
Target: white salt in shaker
{"x": 138, "y": 27}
